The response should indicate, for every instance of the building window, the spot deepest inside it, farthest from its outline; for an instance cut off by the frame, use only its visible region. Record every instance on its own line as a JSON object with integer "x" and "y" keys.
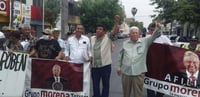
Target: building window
{"x": 23, "y": 1}
{"x": 37, "y": 2}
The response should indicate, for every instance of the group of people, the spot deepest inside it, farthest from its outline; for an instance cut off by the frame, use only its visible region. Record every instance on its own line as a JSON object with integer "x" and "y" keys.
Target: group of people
{"x": 97, "y": 50}
{"x": 22, "y": 40}
{"x": 132, "y": 60}
{"x": 77, "y": 49}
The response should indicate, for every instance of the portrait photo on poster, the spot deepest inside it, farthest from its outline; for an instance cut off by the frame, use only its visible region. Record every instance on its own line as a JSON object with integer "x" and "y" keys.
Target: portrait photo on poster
{"x": 56, "y": 75}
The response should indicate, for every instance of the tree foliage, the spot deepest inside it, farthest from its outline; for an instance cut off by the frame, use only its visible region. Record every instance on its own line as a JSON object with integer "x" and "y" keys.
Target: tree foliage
{"x": 93, "y": 12}
{"x": 52, "y": 11}
{"x": 136, "y": 23}
{"x": 180, "y": 10}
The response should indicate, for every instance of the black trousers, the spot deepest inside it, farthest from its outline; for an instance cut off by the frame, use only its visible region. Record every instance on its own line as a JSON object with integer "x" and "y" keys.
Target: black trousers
{"x": 152, "y": 93}
{"x": 98, "y": 75}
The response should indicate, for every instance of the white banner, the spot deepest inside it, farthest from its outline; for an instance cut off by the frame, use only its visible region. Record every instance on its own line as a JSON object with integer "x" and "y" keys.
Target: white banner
{"x": 171, "y": 89}
{"x": 12, "y": 73}
{"x": 21, "y": 76}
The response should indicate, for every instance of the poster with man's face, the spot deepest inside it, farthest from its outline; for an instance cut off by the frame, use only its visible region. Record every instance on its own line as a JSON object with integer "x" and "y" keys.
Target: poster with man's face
{"x": 56, "y": 75}
{"x": 173, "y": 70}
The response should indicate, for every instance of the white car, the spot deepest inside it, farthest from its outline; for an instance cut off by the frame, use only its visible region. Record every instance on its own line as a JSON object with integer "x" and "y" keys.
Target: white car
{"x": 178, "y": 42}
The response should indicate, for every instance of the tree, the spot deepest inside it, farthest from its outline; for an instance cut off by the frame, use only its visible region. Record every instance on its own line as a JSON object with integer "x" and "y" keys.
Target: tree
{"x": 93, "y": 12}
{"x": 132, "y": 22}
{"x": 180, "y": 10}
{"x": 185, "y": 12}
{"x": 166, "y": 10}
{"x": 52, "y": 11}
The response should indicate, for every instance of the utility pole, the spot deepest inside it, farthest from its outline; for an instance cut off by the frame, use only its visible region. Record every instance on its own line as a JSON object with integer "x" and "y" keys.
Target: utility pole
{"x": 43, "y": 22}
{"x": 64, "y": 18}
{"x": 11, "y": 14}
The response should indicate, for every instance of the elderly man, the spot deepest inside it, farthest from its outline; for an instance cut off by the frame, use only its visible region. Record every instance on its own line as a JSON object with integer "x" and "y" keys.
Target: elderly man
{"x": 191, "y": 64}
{"x": 28, "y": 41}
{"x": 132, "y": 61}
{"x": 56, "y": 79}
{"x": 189, "y": 75}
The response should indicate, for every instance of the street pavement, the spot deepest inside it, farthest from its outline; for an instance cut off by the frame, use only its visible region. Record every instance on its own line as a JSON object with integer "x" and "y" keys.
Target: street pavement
{"x": 115, "y": 80}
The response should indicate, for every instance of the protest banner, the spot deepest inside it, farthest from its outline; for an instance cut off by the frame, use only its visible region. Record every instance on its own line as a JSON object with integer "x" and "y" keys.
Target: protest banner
{"x": 27, "y": 77}
{"x": 168, "y": 73}
{"x": 12, "y": 73}
{"x": 73, "y": 79}
{"x": 21, "y": 76}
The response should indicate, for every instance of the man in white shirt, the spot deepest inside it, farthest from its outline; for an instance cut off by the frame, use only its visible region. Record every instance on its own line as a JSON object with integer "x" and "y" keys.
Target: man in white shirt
{"x": 162, "y": 39}
{"x": 78, "y": 48}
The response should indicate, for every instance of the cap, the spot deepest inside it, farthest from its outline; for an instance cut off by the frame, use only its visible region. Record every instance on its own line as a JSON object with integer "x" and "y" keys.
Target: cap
{"x": 26, "y": 26}
{"x": 5, "y": 28}
{"x": 47, "y": 31}
{"x": 2, "y": 36}
{"x": 194, "y": 38}
{"x": 20, "y": 26}
{"x": 55, "y": 29}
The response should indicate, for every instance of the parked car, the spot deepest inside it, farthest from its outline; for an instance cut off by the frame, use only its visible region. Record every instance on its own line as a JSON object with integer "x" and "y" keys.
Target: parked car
{"x": 179, "y": 41}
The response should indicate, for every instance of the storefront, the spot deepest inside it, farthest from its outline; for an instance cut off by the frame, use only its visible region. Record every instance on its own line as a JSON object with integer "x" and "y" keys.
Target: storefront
{"x": 4, "y": 13}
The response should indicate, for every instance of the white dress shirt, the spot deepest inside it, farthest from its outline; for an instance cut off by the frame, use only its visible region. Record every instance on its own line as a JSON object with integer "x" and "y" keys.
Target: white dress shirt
{"x": 163, "y": 40}
{"x": 78, "y": 50}
{"x": 57, "y": 79}
{"x": 62, "y": 44}
{"x": 195, "y": 75}
{"x": 25, "y": 44}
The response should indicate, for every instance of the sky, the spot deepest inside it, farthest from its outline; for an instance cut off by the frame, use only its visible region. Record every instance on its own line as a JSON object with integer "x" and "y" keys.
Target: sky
{"x": 144, "y": 10}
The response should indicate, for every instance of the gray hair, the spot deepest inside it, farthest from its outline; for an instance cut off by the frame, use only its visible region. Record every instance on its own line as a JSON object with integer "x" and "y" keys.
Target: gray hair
{"x": 190, "y": 53}
{"x": 27, "y": 26}
{"x": 134, "y": 28}
{"x": 56, "y": 66}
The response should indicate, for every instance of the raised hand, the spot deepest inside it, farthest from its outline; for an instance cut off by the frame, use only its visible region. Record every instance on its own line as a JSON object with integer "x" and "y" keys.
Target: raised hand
{"x": 117, "y": 18}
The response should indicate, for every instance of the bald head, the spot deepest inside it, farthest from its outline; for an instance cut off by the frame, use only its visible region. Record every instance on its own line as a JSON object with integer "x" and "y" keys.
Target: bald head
{"x": 134, "y": 33}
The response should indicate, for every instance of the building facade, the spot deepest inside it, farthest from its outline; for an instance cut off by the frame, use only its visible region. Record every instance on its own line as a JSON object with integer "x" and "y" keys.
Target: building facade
{"x": 31, "y": 12}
